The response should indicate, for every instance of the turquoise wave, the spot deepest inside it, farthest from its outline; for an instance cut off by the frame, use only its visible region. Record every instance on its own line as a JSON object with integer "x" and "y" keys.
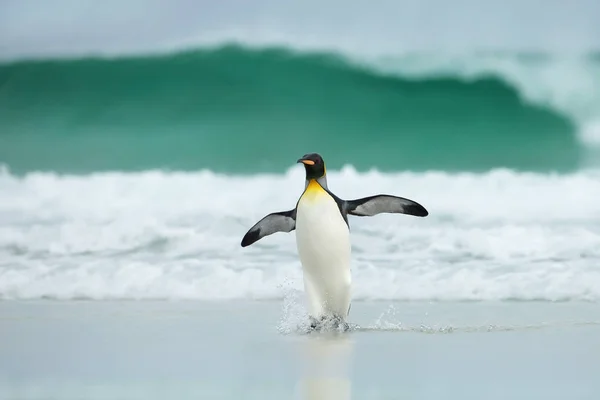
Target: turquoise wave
{"x": 239, "y": 110}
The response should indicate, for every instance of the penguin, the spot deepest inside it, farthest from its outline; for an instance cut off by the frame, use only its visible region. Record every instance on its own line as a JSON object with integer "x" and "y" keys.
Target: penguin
{"x": 320, "y": 219}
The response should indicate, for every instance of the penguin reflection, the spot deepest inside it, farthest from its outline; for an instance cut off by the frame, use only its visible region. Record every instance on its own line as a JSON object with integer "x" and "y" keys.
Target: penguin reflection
{"x": 326, "y": 366}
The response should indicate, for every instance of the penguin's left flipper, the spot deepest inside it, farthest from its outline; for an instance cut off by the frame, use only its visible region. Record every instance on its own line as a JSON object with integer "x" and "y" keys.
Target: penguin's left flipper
{"x": 384, "y": 203}
{"x": 284, "y": 221}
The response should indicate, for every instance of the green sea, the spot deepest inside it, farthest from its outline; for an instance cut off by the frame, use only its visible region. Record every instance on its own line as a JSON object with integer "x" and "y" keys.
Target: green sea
{"x": 239, "y": 109}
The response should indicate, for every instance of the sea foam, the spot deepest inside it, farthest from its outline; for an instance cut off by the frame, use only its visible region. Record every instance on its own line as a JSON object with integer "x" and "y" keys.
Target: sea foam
{"x": 175, "y": 235}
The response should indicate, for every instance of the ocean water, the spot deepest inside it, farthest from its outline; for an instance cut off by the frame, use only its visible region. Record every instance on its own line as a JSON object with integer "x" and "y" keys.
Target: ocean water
{"x": 240, "y": 109}
{"x": 136, "y": 176}
{"x": 133, "y": 161}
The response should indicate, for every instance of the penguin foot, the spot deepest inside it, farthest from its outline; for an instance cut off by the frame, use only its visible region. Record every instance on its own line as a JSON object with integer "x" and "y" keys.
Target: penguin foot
{"x": 328, "y": 323}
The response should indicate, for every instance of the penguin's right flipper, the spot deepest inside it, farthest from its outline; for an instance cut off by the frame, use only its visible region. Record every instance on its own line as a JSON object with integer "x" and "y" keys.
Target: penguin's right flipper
{"x": 284, "y": 221}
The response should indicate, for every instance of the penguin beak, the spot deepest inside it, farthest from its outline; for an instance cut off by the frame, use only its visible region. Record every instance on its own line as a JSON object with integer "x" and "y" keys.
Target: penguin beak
{"x": 306, "y": 162}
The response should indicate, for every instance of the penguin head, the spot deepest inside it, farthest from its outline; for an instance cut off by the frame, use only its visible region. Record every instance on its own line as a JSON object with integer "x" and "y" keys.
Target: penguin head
{"x": 314, "y": 165}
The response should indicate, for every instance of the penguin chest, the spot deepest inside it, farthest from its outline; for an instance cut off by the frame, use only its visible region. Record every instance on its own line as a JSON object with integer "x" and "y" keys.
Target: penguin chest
{"x": 322, "y": 238}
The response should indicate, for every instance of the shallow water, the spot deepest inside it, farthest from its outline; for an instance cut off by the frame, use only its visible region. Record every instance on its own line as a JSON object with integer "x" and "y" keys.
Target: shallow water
{"x": 191, "y": 349}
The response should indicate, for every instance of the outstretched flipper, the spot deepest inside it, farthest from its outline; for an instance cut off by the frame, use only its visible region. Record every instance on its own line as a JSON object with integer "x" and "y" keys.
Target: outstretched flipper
{"x": 384, "y": 203}
{"x": 284, "y": 221}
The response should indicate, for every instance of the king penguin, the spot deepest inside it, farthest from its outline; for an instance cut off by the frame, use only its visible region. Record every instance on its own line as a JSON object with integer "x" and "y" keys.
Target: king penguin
{"x": 320, "y": 219}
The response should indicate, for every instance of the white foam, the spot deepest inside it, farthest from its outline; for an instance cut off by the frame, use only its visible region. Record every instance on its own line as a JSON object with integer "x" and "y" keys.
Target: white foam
{"x": 175, "y": 235}
{"x": 591, "y": 132}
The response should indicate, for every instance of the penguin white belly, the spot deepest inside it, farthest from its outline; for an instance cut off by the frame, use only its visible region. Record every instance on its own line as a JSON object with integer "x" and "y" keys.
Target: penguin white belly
{"x": 323, "y": 242}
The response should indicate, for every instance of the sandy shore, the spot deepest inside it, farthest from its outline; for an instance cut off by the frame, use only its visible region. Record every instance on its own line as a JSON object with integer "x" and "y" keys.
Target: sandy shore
{"x": 251, "y": 350}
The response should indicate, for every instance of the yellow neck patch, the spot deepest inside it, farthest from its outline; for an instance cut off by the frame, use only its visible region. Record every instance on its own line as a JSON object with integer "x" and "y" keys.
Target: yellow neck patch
{"x": 313, "y": 190}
